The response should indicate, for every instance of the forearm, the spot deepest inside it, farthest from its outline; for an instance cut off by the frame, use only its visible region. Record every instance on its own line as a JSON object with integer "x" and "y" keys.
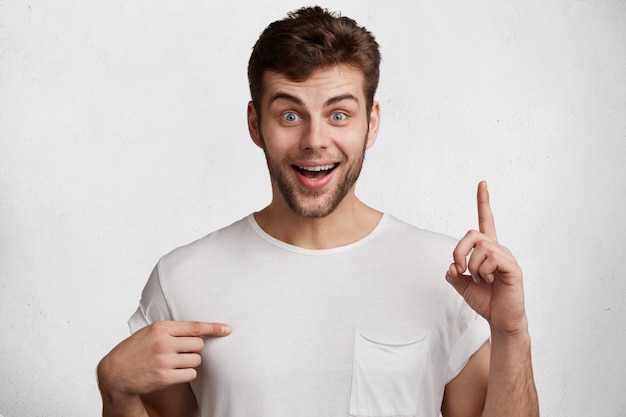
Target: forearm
{"x": 511, "y": 390}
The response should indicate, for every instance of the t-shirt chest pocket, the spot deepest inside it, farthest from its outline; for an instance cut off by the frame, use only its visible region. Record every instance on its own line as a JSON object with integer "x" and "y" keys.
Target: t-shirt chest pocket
{"x": 386, "y": 378}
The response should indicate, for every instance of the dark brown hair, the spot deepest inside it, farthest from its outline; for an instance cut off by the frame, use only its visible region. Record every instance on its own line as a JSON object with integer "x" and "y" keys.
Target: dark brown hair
{"x": 309, "y": 39}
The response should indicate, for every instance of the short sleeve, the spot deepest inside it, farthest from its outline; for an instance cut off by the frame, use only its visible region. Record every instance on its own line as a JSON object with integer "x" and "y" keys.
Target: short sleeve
{"x": 475, "y": 333}
{"x": 153, "y": 305}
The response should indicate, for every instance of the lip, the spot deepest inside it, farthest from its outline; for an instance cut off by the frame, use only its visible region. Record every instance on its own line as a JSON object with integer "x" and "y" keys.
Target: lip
{"x": 311, "y": 164}
{"x": 315, "y": 183}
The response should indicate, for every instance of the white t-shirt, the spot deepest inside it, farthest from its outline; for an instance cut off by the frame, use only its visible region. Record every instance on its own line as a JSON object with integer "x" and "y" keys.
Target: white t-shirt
{"x": 367, "y": 329}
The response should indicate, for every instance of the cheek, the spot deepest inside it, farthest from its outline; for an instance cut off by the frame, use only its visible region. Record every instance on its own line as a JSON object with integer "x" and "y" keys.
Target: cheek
{"x": 274, "y": 147}
{"x": 356, "y": 143}
{"x": 277, "y": 139}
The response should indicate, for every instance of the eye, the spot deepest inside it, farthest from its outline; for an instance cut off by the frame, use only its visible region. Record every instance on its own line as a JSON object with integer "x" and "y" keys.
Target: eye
{"x": 338, "y": 117}
{"x": 290, "y": 117}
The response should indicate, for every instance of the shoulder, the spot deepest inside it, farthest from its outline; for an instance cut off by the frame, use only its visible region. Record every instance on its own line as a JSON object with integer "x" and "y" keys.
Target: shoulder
{"x": 414, "y": 237}
{"x": 418, "y": 256}
{"x": 215, "y": 246}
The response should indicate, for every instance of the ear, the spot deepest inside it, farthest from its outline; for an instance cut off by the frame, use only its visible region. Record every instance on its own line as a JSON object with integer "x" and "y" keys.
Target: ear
{"x": 374, "y": 124}
{"x": 253, "y": 125}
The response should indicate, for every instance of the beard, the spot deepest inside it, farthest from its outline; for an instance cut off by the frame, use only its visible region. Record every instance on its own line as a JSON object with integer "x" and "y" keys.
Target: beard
{"x": 314, "y": 203}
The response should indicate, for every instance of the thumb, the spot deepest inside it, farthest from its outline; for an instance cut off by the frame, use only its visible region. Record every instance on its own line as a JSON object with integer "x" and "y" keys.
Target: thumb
{"x": 457, "y": 280}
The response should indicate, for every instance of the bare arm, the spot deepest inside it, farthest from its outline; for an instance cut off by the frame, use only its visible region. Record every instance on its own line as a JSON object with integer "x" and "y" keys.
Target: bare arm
{"x": 493, "y": 289}
{"x": 465, "y": 395}
{"x": 511, "y": 382}
{"x": 147, "y": 374}
{"x": 177, "y": 400}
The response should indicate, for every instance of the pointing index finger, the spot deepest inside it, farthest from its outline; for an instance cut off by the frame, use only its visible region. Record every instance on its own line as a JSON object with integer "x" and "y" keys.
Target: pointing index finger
{"x": 486, "y": 223}
{"x": 198, "y": 329}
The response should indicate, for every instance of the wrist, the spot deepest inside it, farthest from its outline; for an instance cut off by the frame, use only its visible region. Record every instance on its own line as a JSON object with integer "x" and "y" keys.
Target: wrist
{"x": 513, "y": 338}
{"x": 111, "y": 391}
{"x": 511, "y": 351}
{"x": 512, "y": 328}
{"x": 119, "y": 404}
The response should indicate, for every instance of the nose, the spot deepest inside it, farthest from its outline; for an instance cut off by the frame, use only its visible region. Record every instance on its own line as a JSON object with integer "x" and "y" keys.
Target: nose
{"x": 315, "y": 136}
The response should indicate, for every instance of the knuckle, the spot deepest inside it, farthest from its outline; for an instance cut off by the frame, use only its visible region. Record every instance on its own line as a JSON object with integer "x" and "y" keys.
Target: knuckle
{"x": 191, "y": 374}
{"x": 196, "y": 345}
{"x": 161, "y": 345}
{"x": 480, "y": 244}
{"x": 185, "y": 375}
{"x": 200, "y": 344}
{"x": 195, "y": 328}
{"x": 162, "y": 376}
{"x": 159, "y": 327}
{"x": 161, "y": 363}
{"x": 458, "y": 252}
{"x": 196, "y": 360}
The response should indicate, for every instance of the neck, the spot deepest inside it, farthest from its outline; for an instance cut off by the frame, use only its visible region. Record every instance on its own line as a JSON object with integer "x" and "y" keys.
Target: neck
{"x": 351, "y": 221}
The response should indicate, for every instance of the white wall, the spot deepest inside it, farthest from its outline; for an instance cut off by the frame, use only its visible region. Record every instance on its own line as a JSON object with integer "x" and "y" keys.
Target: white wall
{"x": 122, "y": 132}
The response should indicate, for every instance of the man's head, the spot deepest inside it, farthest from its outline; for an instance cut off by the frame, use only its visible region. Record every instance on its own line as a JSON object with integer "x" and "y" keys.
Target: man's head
{"x": 313, "y": 77}
{"x": 310, "y": 39}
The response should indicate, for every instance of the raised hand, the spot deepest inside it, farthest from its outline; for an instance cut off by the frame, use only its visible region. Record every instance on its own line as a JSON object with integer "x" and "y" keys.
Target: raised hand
{"x": 493, "y": 287}
{"x": 157, "y": 356}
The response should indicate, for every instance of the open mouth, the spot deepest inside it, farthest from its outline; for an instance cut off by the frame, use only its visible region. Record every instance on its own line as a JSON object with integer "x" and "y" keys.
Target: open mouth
{"x": 315, "y": 172}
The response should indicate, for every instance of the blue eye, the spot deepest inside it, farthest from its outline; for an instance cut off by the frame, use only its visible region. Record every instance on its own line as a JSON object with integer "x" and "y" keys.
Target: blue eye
{"x": 338, "y": 117}
{"x": 290, "y": 117}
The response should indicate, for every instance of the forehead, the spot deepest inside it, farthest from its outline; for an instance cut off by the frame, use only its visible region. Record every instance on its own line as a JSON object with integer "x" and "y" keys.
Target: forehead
{"x": 324, "y": 83}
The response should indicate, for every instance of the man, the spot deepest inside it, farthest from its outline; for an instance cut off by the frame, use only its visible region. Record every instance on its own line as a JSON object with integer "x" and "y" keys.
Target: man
{"x": 319, "y": 305}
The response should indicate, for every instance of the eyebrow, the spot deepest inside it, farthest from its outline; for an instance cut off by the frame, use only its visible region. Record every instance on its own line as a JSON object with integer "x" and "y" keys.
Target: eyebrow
{"x": 337, "y": 99}
{"x": 329, "y": 102}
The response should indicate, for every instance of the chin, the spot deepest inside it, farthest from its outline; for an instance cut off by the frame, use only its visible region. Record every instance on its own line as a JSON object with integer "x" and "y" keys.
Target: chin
{"x": 315, "y": 210}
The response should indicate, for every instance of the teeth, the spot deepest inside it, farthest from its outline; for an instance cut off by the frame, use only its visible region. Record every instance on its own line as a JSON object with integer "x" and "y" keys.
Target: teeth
{"x": 318, "y": 168}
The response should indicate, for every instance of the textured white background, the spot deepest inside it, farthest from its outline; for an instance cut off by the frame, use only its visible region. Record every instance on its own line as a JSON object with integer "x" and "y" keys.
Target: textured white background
{"x": 122, "y": 132}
